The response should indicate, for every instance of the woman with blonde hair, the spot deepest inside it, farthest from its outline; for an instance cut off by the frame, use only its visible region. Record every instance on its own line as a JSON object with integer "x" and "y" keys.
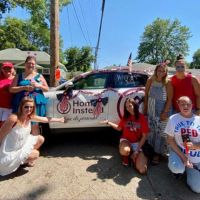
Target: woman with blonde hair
{"x": 17, "y": 145}
{"x": 157, "y": 105}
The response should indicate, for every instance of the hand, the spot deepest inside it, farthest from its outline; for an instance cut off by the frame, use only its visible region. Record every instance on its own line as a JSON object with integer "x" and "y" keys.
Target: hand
{"x": 134, "y": 156}
{"x": 63, "y": 120}
{"x": 163, "y": 116}
{"x": 35, "y": 84}
{"x": 29, "y": 88}
{"x": 104, "y": 122}
{"x": 188, "y": 164}
{"x": 190, "y": 145}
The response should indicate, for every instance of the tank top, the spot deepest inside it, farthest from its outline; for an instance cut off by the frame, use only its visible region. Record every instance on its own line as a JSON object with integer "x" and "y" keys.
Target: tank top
{"x": 183, "y": 87}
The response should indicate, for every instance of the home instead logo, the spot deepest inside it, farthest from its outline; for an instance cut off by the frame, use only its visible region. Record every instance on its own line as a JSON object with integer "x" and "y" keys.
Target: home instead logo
{"x": 77, "y": 107}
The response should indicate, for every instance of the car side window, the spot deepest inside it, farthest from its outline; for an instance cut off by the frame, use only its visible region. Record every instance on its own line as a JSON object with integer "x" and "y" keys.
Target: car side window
{"x": 92, "y": 81}
{"x": 129, "y": 80}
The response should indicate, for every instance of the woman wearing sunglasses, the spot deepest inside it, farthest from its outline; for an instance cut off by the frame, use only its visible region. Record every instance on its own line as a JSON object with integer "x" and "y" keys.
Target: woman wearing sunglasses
{"x": 6, "y": 78}
{"x": 17, "y": 145}
{"x": 184, "y": 84}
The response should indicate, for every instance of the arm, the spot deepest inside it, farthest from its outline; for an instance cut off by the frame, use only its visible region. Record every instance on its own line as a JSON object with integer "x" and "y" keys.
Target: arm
{"x": 141, "y": 142}
{"x": 147, "y": 88}
{"x": 43, "y": 85}
{"x": 14, "y": 88}
{"x": 36, "y": 118}
{"x": 7, "y": 126}
{"x": 113, "y": 125}
{"x": 169, "y": 89}
{"x": 196, "y": 86}
{"x": 173, "y": 145}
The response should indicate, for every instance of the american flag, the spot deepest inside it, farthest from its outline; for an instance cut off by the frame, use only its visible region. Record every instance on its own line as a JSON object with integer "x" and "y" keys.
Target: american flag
{"x": 129, "y": 63}
{"x": 129, "y": 60}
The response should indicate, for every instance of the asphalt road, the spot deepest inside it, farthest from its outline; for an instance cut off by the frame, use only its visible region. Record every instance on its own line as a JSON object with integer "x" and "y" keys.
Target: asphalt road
{"x": 86, "y": 166}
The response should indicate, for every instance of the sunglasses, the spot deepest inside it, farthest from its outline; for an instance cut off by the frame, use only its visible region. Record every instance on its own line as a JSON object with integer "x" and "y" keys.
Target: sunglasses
{"x": 7, "y": 69}
{"x": 180, "y": 67}
{"x": 26, "y": 107}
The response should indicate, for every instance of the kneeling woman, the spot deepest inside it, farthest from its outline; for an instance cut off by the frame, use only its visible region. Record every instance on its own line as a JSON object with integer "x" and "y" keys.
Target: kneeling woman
{"x": 17, "y": 145}
{"x": 135, "y": 128}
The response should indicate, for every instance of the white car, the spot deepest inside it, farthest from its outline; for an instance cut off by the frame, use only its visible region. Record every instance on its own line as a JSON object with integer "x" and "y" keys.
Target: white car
{"x": 94, "y": 96}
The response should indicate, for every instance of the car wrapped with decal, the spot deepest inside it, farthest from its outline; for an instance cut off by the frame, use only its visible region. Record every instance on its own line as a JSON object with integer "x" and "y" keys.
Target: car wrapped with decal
{"x": 94, "y": 96}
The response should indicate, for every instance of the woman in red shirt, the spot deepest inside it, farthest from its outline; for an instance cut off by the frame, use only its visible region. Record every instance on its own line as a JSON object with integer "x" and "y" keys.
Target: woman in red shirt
{"x": 6, "y": 78}
{"x": 184, "y": 84}
{"x": 134, "y": 127}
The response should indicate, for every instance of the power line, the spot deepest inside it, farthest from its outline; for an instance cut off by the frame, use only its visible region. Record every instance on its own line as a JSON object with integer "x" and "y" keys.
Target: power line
{"x": 97, "y": 47}
{"x": 84, "y": 23}
{"x": 70, "y": 33}
{"x": 79, "y": 22}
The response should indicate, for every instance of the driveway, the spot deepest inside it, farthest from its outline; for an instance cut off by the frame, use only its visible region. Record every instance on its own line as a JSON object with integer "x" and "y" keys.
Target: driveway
{"x": 87, "y": 166}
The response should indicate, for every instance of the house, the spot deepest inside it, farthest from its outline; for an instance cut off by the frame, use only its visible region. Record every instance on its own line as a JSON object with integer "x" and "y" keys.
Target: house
{"x": 18, "y": 57}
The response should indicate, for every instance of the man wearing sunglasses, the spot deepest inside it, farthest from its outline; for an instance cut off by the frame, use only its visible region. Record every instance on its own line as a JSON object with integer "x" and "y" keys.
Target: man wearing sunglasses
{"x": 184, "y": 84}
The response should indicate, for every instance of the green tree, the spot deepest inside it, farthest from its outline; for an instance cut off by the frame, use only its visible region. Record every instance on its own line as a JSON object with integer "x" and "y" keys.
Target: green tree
{"x": 163, "y": 39}
{"x": 196, "y": 60}
{"x": 79, "y": 59}
{"x": 24, "y": 35}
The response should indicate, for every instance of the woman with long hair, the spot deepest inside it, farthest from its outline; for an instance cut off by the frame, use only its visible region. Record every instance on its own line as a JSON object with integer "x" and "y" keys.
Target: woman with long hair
{"x": 134, "y": 129}
{"x": 33, "y": 84}
{"x": 157, "y": 106}
{"x": 17, "y": 145}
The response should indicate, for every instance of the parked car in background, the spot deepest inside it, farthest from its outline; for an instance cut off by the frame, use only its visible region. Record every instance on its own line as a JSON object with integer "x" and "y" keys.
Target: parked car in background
{"x": 94, "y": 96}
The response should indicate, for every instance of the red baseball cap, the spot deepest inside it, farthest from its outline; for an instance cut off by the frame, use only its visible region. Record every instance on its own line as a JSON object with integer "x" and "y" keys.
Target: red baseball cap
{"x": 7, "y": 64}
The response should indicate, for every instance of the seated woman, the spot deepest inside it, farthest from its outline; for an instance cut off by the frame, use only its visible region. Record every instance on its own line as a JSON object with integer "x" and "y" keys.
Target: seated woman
{"x": 17, "y": 145}
{"x": 135, "y": 128}
{"x": 183, "y": 136}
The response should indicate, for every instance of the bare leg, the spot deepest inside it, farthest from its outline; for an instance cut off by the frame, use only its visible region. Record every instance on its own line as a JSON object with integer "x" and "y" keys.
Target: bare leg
{"x": 124, "y": 148}
{"x": 141, "y": 163}
{"x": 40, "y": 141}
{"x": 35, "y": 130}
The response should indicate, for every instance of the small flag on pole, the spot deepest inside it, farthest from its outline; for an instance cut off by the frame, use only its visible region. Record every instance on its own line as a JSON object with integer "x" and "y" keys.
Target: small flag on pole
{"x": 129, "y": 63}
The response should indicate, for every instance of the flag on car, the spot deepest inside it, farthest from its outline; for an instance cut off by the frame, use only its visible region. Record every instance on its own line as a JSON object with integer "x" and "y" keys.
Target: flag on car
{"x": 129, "y": 63}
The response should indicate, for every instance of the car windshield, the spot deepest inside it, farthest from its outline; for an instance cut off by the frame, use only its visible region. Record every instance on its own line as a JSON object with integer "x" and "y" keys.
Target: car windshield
{"x": 129, "y": 80}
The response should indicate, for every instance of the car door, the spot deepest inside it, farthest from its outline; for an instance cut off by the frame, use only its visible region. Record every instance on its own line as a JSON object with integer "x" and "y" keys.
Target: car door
{"x": 84, "y": 104}
{"x": 125, "y": 84}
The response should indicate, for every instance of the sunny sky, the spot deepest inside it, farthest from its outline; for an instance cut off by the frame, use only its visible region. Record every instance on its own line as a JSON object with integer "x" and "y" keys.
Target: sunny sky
{"x": 123, "y": 25}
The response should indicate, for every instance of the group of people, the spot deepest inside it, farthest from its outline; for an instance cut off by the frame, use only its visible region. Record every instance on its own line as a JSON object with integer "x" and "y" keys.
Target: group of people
{"x": 170, "y": 123}
{"x": 22, "y": 107}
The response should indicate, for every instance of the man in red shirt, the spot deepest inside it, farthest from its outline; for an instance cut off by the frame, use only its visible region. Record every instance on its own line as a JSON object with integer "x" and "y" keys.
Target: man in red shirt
{"x": 6, "y": 78}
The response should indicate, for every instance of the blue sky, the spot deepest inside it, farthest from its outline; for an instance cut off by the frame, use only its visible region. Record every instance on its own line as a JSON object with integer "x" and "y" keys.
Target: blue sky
{"x": 123, "y": 25}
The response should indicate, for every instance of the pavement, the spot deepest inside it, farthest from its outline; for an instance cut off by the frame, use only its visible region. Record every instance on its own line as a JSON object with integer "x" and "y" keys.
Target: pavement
{"x": 87, "y": 167}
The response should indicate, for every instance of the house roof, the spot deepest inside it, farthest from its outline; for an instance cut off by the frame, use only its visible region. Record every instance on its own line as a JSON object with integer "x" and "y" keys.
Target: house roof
{"x": 17, "y": 56}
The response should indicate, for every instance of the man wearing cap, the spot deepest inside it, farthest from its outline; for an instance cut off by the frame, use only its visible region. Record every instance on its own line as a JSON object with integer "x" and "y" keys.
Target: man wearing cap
{"x": 6, "y": 78}
{"x": 184, "y": 84}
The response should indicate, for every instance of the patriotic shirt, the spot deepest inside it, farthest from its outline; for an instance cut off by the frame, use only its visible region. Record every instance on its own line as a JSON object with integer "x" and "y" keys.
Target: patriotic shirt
{"x": 134, "y": 129}
{"x": 179, "y": 126}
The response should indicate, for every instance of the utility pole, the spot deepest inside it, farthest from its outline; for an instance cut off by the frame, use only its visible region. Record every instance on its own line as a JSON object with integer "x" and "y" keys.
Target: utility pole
{"x": 54, "y": 40}
{"x": 97, "y": 47}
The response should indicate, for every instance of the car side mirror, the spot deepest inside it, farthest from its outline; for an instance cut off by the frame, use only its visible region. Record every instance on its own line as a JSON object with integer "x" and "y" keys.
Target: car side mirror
{"x": 68, "y": 89}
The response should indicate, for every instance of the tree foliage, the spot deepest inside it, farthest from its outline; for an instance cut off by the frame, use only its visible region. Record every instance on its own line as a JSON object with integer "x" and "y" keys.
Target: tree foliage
{"x": 163, "y": 39}
{"x": 24, "y": 35}
{"x": 196, "y": 60}
{"x": 79, "y": 59}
